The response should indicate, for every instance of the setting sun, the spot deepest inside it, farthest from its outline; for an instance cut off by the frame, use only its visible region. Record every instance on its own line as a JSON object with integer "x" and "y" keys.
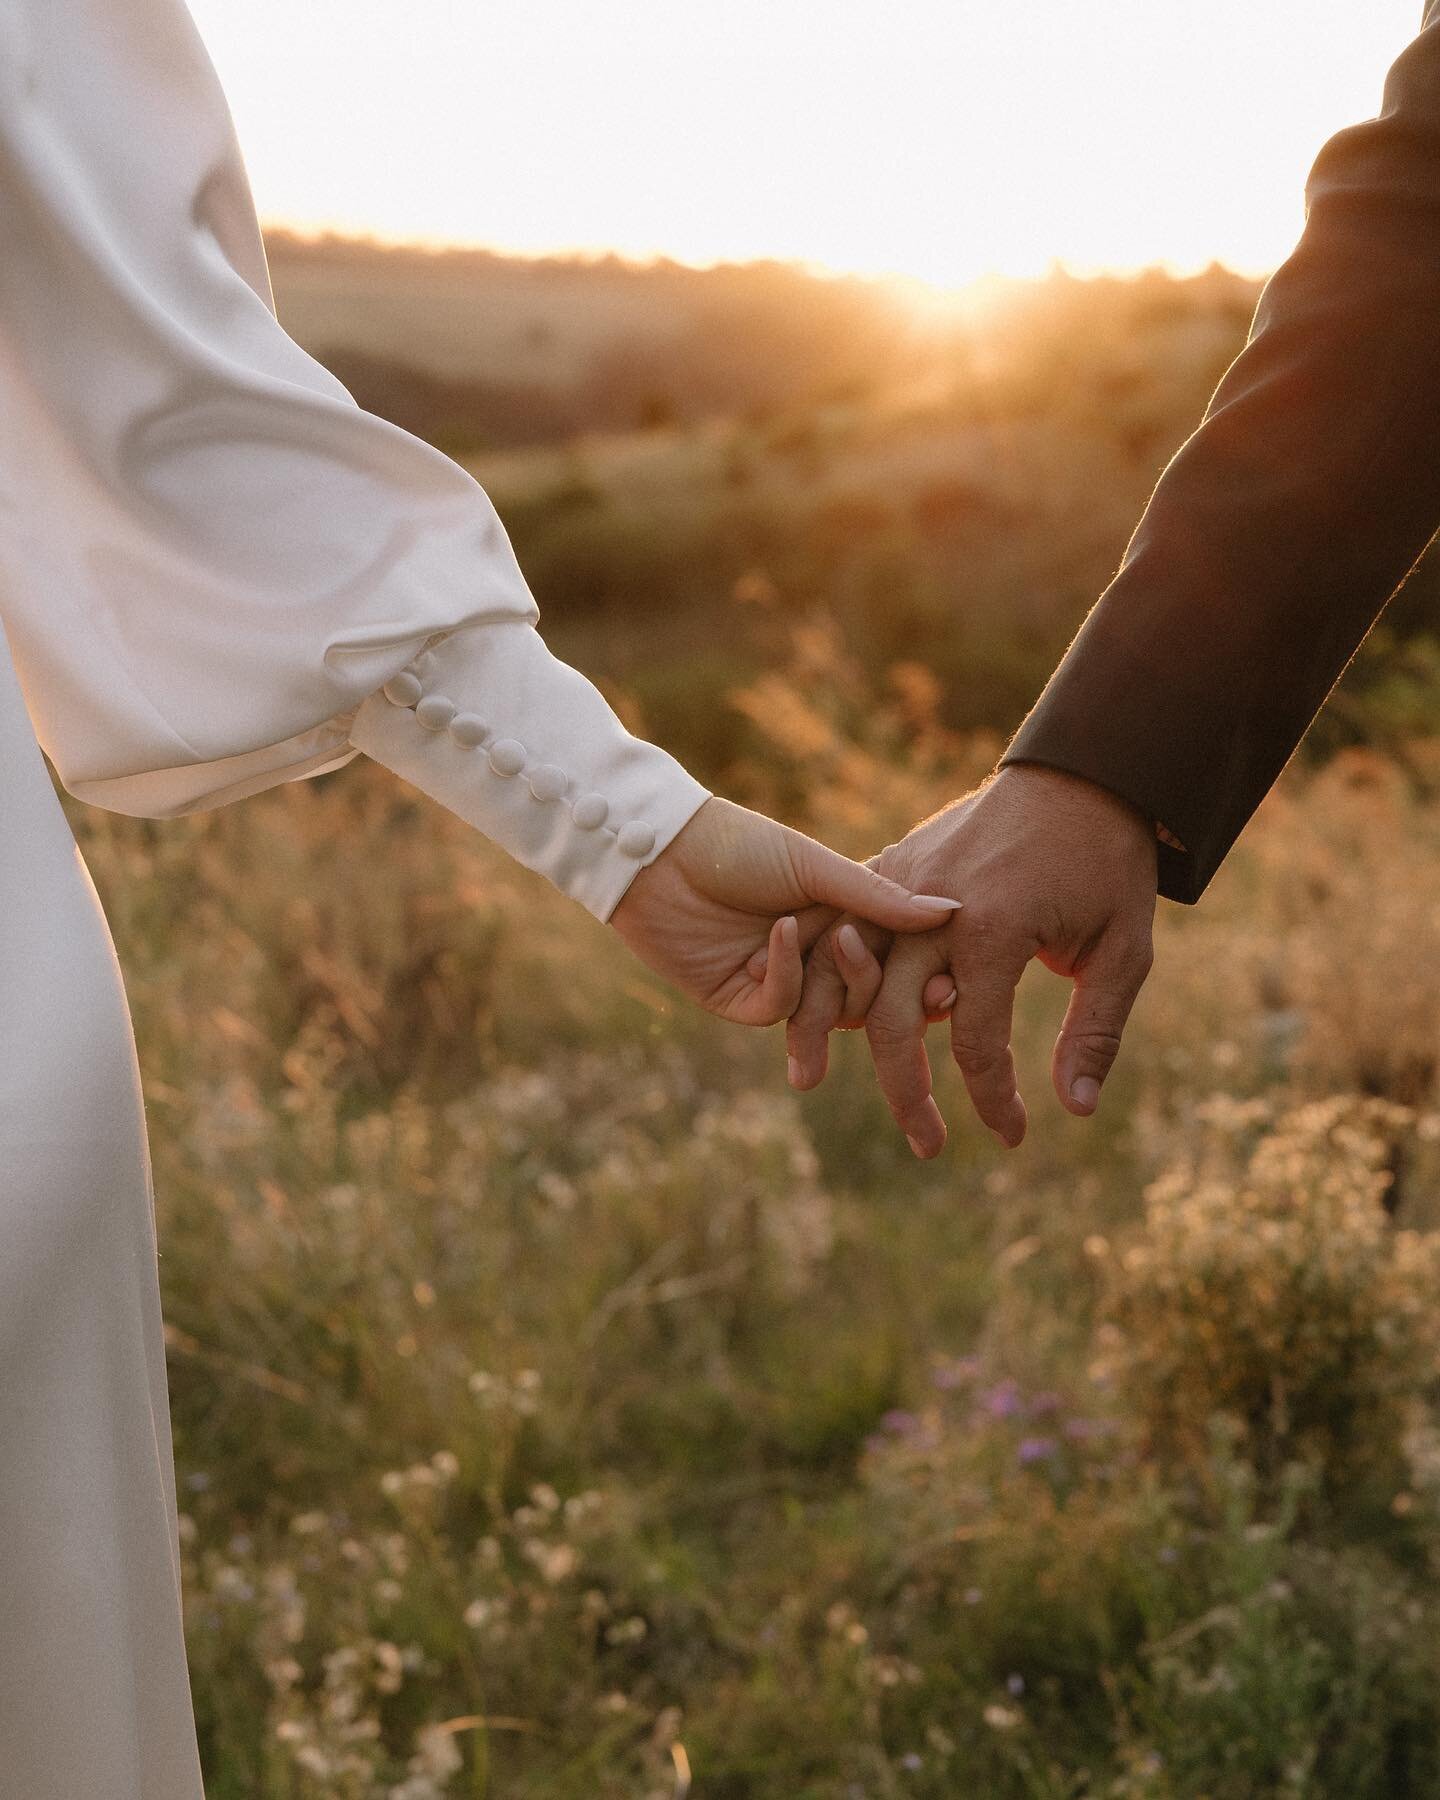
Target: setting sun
{"x": 940, "y": 141}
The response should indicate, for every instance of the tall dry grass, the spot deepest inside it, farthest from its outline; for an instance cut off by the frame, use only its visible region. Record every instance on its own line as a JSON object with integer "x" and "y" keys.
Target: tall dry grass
{"x": 562, "y": 1408}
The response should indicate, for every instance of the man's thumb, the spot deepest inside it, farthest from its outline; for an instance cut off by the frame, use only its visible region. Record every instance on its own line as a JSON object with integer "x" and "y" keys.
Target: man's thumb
{"x": 836, "y": 881}
{"x": 1105, "y": 992}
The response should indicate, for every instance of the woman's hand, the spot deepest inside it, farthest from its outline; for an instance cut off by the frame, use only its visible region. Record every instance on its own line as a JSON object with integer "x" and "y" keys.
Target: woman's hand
{"x": 730, "y": 907}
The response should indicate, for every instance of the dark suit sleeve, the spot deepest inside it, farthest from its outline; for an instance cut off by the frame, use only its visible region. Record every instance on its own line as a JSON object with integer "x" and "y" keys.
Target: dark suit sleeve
{"x": 1281, "y": 528}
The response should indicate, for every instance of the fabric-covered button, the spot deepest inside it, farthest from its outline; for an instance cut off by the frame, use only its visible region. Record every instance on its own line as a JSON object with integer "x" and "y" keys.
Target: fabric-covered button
{"x": 435, "y": 712}
{"x": 636, "y": 839}
{"x": 403, "y": 689}
{"x": 547, "y": 782}
{"x": 590, "y": 811}
{"x": 507, "y": 757}
{"x": 468, "y": 729}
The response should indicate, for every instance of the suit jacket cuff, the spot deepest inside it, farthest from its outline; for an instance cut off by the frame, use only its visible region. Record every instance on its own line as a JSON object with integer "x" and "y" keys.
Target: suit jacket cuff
{"x": 1106, "y": 717}
{"x": 489, "y": 723}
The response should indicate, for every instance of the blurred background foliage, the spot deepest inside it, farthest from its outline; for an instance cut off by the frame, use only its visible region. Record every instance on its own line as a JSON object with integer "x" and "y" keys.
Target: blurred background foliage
{"x": 562, "y": 1407}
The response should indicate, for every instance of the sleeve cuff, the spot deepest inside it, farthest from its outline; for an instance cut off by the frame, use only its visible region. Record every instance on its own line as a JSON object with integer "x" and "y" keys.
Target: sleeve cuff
{"x": 523, "y": 747}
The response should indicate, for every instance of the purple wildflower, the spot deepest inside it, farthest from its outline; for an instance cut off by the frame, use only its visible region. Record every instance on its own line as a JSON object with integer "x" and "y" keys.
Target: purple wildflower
{"x": 1035, "y": 1449}
{"x": 1003, "y": 1400}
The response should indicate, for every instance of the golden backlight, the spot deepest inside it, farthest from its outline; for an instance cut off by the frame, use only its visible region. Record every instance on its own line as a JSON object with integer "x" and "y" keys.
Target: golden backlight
{"x": 938, "y": 139}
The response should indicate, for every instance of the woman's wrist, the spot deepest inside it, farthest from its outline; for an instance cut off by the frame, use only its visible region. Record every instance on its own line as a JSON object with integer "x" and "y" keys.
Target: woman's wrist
{"x": 528, "y": 750}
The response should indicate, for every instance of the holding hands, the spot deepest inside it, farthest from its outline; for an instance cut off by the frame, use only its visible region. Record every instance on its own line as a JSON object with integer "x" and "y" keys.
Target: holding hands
{"x": 730, "y": 908}
{"x": 1044, "y": 865}
{"x": 758, "y": 923}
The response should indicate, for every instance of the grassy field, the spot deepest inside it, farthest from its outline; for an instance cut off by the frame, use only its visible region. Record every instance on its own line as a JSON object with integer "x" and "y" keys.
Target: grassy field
{"x": 563, "y": 1409}
{"x": 561, "y": 1404}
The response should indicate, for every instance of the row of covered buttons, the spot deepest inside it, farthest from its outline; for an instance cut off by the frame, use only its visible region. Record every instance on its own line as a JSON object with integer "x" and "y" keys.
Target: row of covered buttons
{"x": 508, "y": 757}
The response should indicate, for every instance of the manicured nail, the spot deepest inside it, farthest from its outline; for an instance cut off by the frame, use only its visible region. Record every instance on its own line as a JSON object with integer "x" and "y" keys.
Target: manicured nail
{"x": 916, "y": 1146}
{"x": 1086, "y": 1092}
{"x": 935, "y": 903}
{"x": 851, "y": 944}
{"x": 948, "y": 1001}
{"x": 792, "y": 1071}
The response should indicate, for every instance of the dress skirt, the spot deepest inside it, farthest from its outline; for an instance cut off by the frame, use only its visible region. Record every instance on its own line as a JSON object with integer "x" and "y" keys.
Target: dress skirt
{"x": 94, "y": 1692}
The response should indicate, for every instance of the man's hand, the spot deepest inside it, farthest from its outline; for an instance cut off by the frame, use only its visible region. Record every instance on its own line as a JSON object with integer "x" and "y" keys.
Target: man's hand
{"x": 729, "y": 908}
{"x": 1044, "y": 864}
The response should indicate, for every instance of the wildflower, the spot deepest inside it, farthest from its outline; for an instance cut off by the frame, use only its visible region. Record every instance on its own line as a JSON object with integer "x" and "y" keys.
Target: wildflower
{"x": 554, "y": 1561}
{"x": 230, "y": 1583}
{"x": 1001, "y": 1401}
{"x": 436, "y": 1754}
{"x": 389, "y": 1668}
{"x": 1035, "y": 1449}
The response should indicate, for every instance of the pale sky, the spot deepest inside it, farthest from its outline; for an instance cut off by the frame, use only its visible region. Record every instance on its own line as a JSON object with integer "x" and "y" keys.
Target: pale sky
{"x": 942, "y": 139}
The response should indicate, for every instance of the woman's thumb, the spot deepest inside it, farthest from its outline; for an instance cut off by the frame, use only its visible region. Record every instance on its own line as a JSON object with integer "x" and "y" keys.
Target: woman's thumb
{"x": 834, "y": 880}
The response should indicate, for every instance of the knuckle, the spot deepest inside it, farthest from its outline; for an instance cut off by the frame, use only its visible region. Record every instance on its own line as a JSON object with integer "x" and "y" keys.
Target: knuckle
{"x": 1099, "y": 1044}
{"x": 974, "y": 1058}
{"x": 886, "y": 1032}
{"x": 982, "y": 921}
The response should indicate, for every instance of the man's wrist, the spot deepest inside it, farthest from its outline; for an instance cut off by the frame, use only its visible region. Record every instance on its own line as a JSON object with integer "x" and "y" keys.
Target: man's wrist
{"x": 1070, "y": 790}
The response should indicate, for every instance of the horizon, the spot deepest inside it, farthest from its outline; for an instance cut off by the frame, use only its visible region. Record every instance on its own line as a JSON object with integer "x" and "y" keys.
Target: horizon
{"x": 321, "y": 236}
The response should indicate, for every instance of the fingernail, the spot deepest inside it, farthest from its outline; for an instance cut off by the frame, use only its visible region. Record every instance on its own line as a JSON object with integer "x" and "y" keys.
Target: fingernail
{"x": 1086, "y": 1092}
{"x": 851, "y": 943}
{"x": 948, "y": 1001}
{"x": 935, "y": 903}
{"x": 916, "y": 1146}
{"x": 792, "y": 1071}
{"x": 790, "y": 933}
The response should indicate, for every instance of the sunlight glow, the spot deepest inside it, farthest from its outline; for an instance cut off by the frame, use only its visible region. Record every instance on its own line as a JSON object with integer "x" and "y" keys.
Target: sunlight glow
{"x": 939, "y": 139}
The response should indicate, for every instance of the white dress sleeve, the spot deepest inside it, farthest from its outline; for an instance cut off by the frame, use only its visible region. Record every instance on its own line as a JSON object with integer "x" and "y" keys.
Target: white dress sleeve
{"x": 217, "y": 572}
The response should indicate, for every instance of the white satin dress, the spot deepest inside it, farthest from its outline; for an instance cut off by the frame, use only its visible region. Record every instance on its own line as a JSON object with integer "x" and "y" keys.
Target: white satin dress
{"x": 217, "y": 573}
